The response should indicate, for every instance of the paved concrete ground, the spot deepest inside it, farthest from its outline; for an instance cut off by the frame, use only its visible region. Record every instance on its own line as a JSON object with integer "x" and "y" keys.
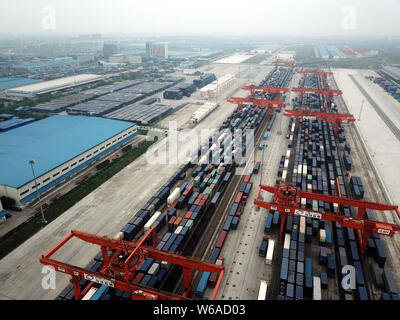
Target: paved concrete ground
{"x": 382, "y": 145}
{"x": 102, "y": 212}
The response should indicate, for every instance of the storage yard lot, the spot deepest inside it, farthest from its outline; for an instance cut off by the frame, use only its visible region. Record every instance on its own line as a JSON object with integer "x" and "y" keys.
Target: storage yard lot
{"x": 104, "y": 212}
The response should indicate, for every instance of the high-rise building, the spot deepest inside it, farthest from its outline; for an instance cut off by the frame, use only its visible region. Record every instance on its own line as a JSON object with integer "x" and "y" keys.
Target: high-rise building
{"x": 154, "y": 49}
{"x": 149, "y": 48}
{"x": 109, "y": 49}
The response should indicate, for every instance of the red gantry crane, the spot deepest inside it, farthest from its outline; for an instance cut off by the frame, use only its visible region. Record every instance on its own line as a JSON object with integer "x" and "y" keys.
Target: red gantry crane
{"x": 119, "y": 268}
{"x": 325, "y": 92}
{"x": 256, "y": 102}
{"x": 335, "y": 118}
{"x": 287, "y": 202}
{"x": 292, "y": 64}
{"x": 270, "y": 104}
{"x": 322, "y": 74}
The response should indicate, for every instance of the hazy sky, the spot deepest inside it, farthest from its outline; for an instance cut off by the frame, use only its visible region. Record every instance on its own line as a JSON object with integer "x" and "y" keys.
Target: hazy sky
{"x": 288, "y": 17}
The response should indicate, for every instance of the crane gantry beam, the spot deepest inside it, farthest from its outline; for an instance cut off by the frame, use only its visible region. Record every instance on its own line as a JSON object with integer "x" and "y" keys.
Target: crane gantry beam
{"x": 287, "y": 202}
{"x": 119, "y": 268}
{"x": 256, "y": 102}
{"x": 335, "y": 118}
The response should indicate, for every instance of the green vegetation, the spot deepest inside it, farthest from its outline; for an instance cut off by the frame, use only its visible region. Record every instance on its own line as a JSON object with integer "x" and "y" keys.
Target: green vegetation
{"x": 15, "y": 237}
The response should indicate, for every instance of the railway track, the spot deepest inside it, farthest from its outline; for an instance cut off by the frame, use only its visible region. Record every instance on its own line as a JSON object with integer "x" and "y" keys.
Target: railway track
{"x": 211, "y": 231}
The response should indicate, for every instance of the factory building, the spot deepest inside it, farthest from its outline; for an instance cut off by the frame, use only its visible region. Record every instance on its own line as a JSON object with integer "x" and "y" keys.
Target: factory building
{"x": 125, "y": 58}
{"x": 60, "y": 146}
{"x": 32, "y": 90}
{"x": 109, "y": 49}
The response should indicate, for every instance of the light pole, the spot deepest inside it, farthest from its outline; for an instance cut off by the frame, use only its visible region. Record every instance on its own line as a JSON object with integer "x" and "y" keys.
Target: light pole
{"x": 32, "y": 162}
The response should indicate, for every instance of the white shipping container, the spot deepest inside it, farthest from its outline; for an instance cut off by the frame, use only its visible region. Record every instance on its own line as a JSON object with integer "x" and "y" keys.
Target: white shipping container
{"x": 303, "y": 224}
{"x": 305, "y": 171}
{"x": 303, "y": 202}
{"x": 270, "y": 252}
{"x": 286, "y": 244}
{"x": 284, "y": 173}
{"x": 287, "y": 154}
{"x": 286, "y": 163}
{"x": 90, "y": 294}
{"x": 154, "y": 269}
{"x": 178, "y": 230}
{"x": 316, "y": 288}
{"x": 149, "y": 223}
{"x": 322, "y": 235}
{"x": 173, "y": 196}
{"x": 262, "y": 292}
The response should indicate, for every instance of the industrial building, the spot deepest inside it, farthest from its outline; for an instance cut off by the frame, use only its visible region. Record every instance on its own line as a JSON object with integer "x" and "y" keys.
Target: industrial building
{"x": 12, "y": 82}
{"x": 125, "y": 58}
{"x": 109, "y": 49}
{"x": 32, "y": 90}
{"x": 141, "y": 113}
{"x": 60, "y": 145}
{"x": 14, "y": 123}
{"x": 43, "y": 65}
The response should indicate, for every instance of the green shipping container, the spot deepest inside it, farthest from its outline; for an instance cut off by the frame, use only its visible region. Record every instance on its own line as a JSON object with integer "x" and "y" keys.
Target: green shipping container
{"x": 189, "y": 224}
{"x": 197, "y": 181}
{"x": 215, "y": 182}
{"x": 208, "y": 191}
{"x": 213, "y": 172}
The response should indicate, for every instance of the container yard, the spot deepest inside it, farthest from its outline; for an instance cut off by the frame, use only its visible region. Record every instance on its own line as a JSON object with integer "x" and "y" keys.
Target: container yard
{"x": 229, "y": 225}
{"x": 253, "y": 159}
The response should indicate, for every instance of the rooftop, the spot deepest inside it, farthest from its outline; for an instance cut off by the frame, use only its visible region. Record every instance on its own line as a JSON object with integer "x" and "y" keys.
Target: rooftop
{"x": 51, "y": 142}
{"x": 57, "y": 84}
{"x": 11, "y": 82}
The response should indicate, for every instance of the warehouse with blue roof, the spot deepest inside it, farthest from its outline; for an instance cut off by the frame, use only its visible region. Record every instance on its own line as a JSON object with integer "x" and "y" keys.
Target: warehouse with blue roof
{"x": 60, "y": 145}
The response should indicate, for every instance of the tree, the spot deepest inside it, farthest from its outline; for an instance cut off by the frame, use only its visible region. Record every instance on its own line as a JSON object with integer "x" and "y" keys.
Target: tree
{"x": 8, "y": 203}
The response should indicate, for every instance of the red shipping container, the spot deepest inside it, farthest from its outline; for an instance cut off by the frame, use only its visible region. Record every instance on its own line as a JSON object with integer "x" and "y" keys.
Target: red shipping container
{"x": 212, "y": 186}
{"x": 221, "y": 239}
{"x": 188, "y": 191}
{"x": 173, "y": 205}
{"x": 210, "y": 168}
{"x": 247, "y": 178}
{"x": 238, "y": 214}
{"x": 205, "y": 197}
{"x": 171, "y": 221}
{"x": 177, "y": 222}
{"x": 239, "y": 197}
{"x": 188, "y": 215}
{"x": 138, "y": 277}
